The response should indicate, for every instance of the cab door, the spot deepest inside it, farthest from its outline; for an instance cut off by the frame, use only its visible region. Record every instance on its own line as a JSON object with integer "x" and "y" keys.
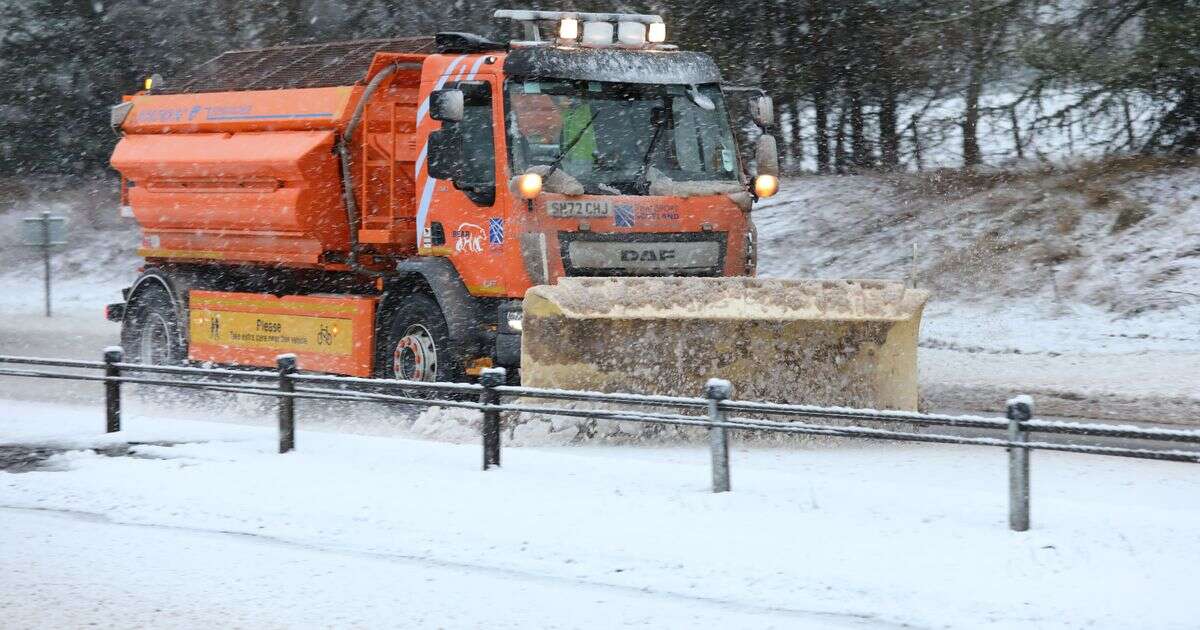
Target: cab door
{"x": 468, "y": 207}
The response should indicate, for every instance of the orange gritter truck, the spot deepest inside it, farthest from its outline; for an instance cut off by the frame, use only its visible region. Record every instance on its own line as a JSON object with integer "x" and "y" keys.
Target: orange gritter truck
{"x": 571, "y": 205}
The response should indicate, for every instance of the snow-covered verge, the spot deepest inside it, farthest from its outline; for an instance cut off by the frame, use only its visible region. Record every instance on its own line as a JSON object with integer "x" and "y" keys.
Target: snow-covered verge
{"x": 98, "y": 260}
{"x": 205, "y": 519}
{"x": 1109, "y": 241}
{"x": 1079, "y": 285}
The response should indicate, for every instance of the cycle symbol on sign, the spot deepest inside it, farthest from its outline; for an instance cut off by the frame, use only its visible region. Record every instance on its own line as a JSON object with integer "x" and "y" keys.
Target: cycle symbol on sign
{"x": 324, "y": 336}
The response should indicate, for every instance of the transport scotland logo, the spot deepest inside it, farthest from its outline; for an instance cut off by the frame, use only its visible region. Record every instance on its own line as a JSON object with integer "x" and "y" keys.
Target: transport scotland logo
{"x": 623, "y": 215}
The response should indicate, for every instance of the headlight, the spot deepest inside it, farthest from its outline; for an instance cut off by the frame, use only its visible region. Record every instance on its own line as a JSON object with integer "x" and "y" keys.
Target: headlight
{"x": 765, "y": 186}
{"x": 529, "y": 185}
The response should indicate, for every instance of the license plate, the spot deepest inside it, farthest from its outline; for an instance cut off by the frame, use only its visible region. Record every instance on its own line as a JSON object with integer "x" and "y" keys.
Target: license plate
{"x": 580, "y": 209}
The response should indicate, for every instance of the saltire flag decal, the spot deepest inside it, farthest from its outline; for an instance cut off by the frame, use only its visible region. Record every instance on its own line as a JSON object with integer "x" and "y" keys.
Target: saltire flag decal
{"x": 496, "y": 231}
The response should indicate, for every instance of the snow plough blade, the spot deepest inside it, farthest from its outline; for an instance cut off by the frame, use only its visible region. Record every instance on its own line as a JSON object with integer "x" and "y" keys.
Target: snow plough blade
{"x": 821, "y": 342}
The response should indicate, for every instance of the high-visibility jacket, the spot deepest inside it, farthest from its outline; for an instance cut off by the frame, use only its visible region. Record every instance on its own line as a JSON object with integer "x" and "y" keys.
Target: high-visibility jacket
{"x": 574, "y": 120}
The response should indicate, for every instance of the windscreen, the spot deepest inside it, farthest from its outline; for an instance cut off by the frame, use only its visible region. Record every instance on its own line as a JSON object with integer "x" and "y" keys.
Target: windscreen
{"x": 615, "y": 137}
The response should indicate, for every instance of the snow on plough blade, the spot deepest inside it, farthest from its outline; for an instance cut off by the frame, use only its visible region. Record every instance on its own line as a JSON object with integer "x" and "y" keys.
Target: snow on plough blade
{"x": 824, "y": 342}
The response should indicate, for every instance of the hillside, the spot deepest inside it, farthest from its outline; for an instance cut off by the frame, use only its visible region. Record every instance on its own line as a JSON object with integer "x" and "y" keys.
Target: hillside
{"x": 1080, "y": 284}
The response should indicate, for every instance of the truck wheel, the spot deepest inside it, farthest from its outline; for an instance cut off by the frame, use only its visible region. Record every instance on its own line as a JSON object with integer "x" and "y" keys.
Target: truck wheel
{"x": 419, "y": 345}
{"x": 150, "y": 332}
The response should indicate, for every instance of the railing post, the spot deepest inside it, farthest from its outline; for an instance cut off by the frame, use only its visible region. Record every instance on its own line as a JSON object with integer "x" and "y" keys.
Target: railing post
{"x": 112, "y": 389}
{"x": 716, "y": 390}
{"x": 287, "y": 404}
{"x": 491, "y": 378}
{"x": 1018, "y": 410}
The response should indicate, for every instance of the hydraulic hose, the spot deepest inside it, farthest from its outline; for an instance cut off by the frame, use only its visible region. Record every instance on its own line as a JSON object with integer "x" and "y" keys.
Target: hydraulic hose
{"x": 353, "y": 216}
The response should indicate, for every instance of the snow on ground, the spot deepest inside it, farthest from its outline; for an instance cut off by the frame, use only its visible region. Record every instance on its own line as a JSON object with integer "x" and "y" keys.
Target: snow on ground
{"x": 353, "y": 530}
{"x": 264, "y": 583}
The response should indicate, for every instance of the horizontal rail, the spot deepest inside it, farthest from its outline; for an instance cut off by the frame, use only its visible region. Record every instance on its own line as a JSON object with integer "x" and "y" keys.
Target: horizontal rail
{"x": 1113, "y": 431}
{"x": 872, "y": 415}
{"x": 618, "y": 398}
{"x": 868, "y": 432}
{"x": 766, "y": 408}
{"x": 860, "y": 432}
{"x": 199, "y": 371}
{"x": 63, "y": 376}
{"x": 463, "y": 388}
{"x": 393, "y": 398}
{"x": 966, "y": 421}
{"x": 66, "y": 363}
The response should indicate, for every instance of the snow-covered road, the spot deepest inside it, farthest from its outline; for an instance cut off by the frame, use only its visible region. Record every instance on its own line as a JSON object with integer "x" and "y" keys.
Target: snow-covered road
{"x": 386, "y": 531}
{"x": 105, "y": 574}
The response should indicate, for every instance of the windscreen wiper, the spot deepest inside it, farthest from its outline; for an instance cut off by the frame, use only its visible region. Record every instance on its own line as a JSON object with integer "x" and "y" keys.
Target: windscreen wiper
{"x": 570, "y": 145}
{"x": 640, "y": 183}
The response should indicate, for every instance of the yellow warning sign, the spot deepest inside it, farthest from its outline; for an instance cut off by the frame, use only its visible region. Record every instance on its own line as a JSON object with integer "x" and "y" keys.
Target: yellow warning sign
{"x": 323, "y": 335}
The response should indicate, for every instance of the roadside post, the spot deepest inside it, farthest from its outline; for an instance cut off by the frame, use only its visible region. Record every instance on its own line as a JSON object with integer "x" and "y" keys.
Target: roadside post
{"x": 491, "y": 378}
{"x": 44, "y": 231}
{"x": 1018, "y": 410}
{"x": 716, "y": 390}
{"x": 287, "y": 403}
{"x": 112, "y": 388}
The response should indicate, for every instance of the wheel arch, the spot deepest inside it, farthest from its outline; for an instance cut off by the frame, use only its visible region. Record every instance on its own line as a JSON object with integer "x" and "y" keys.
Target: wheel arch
{"x": 176, "y": 282}
{"x": 437, "y": 278}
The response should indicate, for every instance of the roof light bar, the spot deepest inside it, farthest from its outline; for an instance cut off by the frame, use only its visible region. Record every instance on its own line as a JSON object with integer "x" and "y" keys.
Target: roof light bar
{"x": 522, "y": 15}
{"x": 597, "y": 33}
{"x": 657, "y": 33}
{"x": 631, "y": 34}
{"x": 568, "y": 29}
{"x": 631, "y": 29}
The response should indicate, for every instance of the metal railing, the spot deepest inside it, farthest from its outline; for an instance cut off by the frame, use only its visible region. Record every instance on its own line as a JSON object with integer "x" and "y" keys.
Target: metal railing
{"x": 714, "y": 411}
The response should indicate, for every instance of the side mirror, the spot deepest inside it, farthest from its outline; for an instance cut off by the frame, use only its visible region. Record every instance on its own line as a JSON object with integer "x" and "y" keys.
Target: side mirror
{"x": 762, "y": 111}
{"x": 446, "y": 105}
{"x": 118, "y": 114}
{"x": 766, "y": 154}
{"x": 445, "y": 154}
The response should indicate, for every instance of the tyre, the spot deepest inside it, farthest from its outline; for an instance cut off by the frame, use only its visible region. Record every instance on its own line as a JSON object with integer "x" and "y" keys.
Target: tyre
{"x": 151, "y": 332}
{"x": 419, "y": 346}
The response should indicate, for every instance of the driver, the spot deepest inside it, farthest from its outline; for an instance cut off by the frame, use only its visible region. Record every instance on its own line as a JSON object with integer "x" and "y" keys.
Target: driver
{"x": 575, "y": 118}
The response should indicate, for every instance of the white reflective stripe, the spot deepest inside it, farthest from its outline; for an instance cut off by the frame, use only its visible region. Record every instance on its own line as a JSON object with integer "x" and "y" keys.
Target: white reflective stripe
{"x": 427, "y": 189}
{"x": 475, "y": 67}
{"x": 424, "y": 107}
{"x": 421, "y": 160}
{"x": 423, "y": 210}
